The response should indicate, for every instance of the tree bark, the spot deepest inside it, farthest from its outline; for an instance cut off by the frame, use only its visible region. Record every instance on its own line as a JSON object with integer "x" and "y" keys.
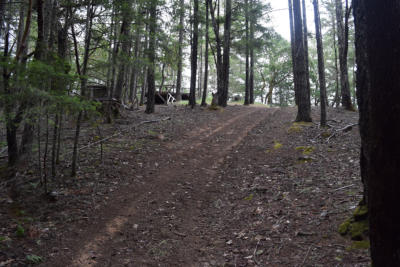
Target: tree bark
{"x": 205, "y": 83}
{"x": 305, "y": 33}
{"x": 180, "y": 48}
{"x": 293, "y": 48}
{"x": 151, "y": 55}
{"x": 300, "y": 81}
{"x": 247, "y": 87}
{"x": 321, "y": 64}
{"x": 252, "y": 58}
{"x": 193, "y": 57}
{"x": 377, "y": 43}
{"x": 342, "y": 28}
{"x": 223, "y": 98}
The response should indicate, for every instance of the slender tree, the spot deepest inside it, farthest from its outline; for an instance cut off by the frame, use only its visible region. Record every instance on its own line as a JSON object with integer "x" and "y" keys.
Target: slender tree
{"x": 180, "y": 49}
{"x": 293, "y": 47}
{"x": 305, "y": 33}
{"x": 252, "y": 58}
{"x": 223, "y": 98}
{"x": 205, "y": 83}
{"x": 321, "y": 63}
{"x": 343, "y": 36}
{"x": 193, "y": 57}
{"x": 151, "y": 56}
{"x": 247, "y": 87}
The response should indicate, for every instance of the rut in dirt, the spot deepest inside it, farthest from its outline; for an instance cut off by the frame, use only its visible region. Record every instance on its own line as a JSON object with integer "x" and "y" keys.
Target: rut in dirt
{"x": 141, "y": 224}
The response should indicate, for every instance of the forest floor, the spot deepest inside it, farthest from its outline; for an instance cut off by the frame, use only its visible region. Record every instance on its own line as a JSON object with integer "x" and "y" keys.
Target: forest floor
{"x": 242, "y": 186}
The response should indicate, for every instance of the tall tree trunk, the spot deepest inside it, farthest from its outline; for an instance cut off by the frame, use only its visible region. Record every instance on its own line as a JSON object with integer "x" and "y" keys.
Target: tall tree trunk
{"x": 321, "y": 64}
{"x": 293, "y": 48}
{"x": 336, "y": 101}
{"x": 205, "y": 84}
{"x": 252, "y": 58}
{"x": 223, "y": 98}
{"x": 377, "y": 43}
{"x": 342, "y": 28}
{"x": 193, "y": 57}
{"x": 300, "y": 81}
{"x": 151, "y": 56}
{"x": 124, "y": 39}
{"x": 134, "y": 74}
{"x": 305, "y": 33}
{"x": 180, "y": 48}
{"x": 247, "y": 87}
{"x": 83, "y": 79}
{"x": 218, "y": 41}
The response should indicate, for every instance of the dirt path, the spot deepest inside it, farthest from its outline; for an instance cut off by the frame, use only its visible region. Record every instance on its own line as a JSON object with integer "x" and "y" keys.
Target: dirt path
{"x": 167, "y": 210}
{"x": 233, "y": 191}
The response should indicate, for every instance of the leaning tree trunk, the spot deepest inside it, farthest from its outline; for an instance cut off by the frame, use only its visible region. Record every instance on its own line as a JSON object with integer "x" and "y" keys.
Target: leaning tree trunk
{"x": 378, "y": 80}
{"x": 151, "y": 55}
{"x": 342, "y": 32}
{"x": 321, "y": 64}
{"x": 300, "y": 81}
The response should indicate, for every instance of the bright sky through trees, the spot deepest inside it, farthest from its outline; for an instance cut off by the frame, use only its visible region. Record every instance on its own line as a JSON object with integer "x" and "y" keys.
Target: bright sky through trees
{"x": 280, "y": 17}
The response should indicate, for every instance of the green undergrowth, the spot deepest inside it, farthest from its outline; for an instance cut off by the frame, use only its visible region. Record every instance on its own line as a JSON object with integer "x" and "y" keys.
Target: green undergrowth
{"x": 306, "y": 150}
{"x": 356, "y": 228}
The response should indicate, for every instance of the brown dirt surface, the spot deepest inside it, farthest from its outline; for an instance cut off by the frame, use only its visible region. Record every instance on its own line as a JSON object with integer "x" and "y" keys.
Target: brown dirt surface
{"x": 242, "y": 186}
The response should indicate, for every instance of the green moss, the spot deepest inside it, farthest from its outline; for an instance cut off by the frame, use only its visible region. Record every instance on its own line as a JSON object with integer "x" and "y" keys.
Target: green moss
{"x": 361, "y": 213}
{"x": 277, "y": 145}
{"x": 307, "y": 150}
{"x": 364, "y": 244}
{"x": 358, "y": 230}
{"x": 326, "y": 134}
{"x": 295, "y": 129}
{"x": 344, "y": 227}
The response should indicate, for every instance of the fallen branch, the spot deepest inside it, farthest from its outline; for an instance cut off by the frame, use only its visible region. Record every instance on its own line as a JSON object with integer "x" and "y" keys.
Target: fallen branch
{"x": 345, "y": 129}
{"x": 305, "y": 258}
{"x": 344, "y": 187}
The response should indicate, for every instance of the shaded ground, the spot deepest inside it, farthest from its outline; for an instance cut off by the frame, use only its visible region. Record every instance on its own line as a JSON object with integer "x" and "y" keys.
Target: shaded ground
{"x": 239, "y": 187}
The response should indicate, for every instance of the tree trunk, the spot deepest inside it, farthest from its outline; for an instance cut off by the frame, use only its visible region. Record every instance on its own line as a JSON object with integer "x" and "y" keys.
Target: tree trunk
{"x": 293, "y": 49}
{"x": 223, "y": 98}
{"x": 124, "y": 39}
{"x": 180, "y": 48}
{"x": 377, "y": 44}
{"x": 305, "y": 33}
{"x": 300, "y": 81}
{"x": 134, "y": 74}
{"x": 342, "y": 29}
{"x": 321, "y": 64}
{"x": 252, "y": 58}
{"x": 336, "y": 101}
{"x": 193, "y": 57}
{"x": 247, "y": 87}
{"x": 151, "y": 56}
{"x": 205, "y": 84}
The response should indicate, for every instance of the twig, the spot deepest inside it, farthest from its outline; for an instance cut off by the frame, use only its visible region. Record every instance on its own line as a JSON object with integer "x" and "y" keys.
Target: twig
{"x": 305, "y": 258}
{"x": 344, "y": 187}
{"x": 255, "y": 252}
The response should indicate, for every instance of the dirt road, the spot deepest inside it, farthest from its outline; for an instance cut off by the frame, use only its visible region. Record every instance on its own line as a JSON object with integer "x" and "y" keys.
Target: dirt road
{"x": 229, "y": 192}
